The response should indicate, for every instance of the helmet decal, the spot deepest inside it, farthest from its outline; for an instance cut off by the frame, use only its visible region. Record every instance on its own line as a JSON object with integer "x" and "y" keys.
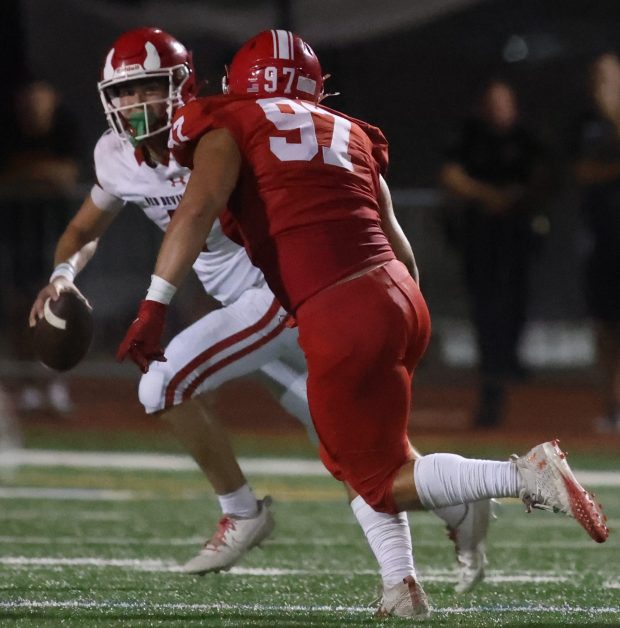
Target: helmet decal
{"x": 152, "y": 61}
{"x": 108, "y": 70}
{"x": 305, "y": 84}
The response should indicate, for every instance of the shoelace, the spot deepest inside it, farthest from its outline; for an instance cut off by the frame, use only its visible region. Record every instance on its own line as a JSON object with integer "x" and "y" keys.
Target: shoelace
{"x": 219, "y": 537}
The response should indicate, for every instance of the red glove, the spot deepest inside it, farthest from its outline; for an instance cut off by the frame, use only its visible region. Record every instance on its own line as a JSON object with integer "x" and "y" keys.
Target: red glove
{"x": 143, "y": 339}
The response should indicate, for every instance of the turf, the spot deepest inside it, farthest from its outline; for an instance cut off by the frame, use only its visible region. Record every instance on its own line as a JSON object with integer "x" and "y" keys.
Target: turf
{"x": 108, "y": 554}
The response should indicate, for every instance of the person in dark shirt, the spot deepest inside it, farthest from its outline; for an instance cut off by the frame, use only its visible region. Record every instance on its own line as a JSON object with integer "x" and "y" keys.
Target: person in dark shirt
{"x": 491, "y": 168}
{"x": 39, "y": 170}
{"x": 40, "y": 145}
{"x": 597, "y": 170}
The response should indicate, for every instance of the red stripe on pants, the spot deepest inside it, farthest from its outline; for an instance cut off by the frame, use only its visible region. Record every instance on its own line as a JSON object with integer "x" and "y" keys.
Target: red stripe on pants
{"x": 189, "y": 391}
{"x": 223, "y": 344}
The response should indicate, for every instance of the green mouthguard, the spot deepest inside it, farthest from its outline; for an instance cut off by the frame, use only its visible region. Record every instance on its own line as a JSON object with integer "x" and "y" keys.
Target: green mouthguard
{"x": 139, "y": 121}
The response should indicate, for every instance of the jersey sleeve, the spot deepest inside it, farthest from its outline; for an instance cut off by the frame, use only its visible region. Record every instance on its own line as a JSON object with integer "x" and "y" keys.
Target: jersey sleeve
{"x": 104, "y": 200}
{"x": 379, "y": 147}
{"x": 194, "y": 120}
{"x": 188, "y": 125}
{"x": 379, "y": 142}
{"x": 104, "y": 191}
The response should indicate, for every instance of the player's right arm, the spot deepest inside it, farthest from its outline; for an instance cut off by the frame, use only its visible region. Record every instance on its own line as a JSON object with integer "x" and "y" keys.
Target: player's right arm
{"x": 74, "y": 250}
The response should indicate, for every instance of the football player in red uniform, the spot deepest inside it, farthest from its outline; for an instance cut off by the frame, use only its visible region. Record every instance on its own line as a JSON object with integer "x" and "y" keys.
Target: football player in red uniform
{"x": 304, "y": 187}
{"x": 147, "y": 75}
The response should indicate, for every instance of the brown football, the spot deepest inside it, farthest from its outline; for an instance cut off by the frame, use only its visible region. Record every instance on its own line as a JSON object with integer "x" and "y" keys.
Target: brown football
{"x": 63, "y": 335}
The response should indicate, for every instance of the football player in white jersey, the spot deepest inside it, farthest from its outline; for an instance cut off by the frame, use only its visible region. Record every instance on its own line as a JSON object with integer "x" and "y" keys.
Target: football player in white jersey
{"x": 147, "y": 75}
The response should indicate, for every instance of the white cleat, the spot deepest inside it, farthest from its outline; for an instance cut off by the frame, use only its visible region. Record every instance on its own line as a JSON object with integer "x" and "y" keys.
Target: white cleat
{"x": 405, "y": 599}
{"x": 549, "y": 484}
{"x": 470, "y": 544}
{"x": 234, "y": 537}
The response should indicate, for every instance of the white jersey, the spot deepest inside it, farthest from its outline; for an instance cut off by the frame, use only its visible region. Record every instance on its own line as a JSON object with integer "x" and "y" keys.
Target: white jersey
{"x": 223, "y": 268}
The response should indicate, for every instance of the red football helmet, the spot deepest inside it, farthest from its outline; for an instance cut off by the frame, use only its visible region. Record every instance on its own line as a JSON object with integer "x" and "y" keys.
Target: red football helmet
{"x": 275, "y": 63}
{"x": 145, "y": 53}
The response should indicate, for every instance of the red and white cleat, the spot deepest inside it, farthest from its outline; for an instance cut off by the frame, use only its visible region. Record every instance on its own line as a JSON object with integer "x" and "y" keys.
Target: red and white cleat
{"x": 549, "y": 484}
{"x": 405, "y": 599}
{"x": 233, "y": 538}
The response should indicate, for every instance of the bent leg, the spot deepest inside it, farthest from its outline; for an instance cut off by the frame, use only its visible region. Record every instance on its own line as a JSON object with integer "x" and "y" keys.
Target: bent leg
{"x": 362, "y": 340}
{"x": 205, "y": 438}
{"x": 293, "y": 397}
{"x": 223, "y": 345}
{"x": 442, "y": 480}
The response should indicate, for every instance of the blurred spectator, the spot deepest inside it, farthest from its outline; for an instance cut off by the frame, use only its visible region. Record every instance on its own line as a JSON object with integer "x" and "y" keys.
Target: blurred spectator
{"x": 38, "y": 176}
{"x": 597, "y": 170}
{"x": 493, "y": 169}
{"x": 39, "y": 147}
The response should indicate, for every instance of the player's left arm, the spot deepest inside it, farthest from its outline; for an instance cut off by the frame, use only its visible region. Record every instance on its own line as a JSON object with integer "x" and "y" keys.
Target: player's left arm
{"x": 217, "y": 163}
{"x": 394, "y": 232}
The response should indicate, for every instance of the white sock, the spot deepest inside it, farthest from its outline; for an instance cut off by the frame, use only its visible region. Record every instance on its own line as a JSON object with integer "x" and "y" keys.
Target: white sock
{"x": 447, "y": 480}
{"x": 239, "y": 503}
{"x": 389, "y": 538}
{"x": 452, "y": 515}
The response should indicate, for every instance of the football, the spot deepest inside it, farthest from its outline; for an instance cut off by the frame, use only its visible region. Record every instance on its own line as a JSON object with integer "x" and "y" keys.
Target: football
{"x": 63, "y": 335}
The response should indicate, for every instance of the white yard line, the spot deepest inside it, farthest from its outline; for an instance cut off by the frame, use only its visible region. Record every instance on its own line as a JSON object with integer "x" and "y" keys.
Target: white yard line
{"x": 156, "y": 565}
{"x": 113, "y": 541}
{"x": 35, "y": 513}
{"x": 172, "y": 462}
{"x": 156, "y": 462}
{"x": 80, "y": 494}
{"x": 86, "y": 605}
{"x": 191, "y": 541}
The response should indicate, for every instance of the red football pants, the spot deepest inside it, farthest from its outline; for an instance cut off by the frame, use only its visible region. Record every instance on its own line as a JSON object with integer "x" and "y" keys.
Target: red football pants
{"x": 362, "y": 340}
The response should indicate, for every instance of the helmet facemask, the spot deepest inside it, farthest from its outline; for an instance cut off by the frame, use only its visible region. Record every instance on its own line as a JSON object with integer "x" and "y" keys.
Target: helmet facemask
{"x": 135, "y": 122}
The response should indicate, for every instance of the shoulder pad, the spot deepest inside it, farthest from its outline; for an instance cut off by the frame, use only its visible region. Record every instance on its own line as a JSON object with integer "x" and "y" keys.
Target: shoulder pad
{"x": 375, "y": 135}
{"x": 189, "y": 124}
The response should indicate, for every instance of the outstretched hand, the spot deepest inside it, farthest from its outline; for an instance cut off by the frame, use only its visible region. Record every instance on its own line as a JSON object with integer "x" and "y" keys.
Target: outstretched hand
{"x": 52, "y": 291}
{"x": 143, "y": 339}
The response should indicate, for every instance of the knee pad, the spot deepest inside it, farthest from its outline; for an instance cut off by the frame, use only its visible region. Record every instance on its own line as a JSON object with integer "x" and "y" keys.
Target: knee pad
{"x": 152, "y": 389}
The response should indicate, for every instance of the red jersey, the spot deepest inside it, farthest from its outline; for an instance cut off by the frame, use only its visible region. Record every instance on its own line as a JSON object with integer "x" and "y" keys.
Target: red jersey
{"x": 306, "y": 203}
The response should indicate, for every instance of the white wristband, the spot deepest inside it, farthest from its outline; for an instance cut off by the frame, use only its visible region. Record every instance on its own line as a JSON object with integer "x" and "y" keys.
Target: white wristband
{"x": 64, "y": 269}
{"x": 160, "y": 290}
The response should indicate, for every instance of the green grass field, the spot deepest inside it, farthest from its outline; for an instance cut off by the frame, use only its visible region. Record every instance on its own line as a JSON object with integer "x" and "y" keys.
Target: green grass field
{"x": 102, "y": 547}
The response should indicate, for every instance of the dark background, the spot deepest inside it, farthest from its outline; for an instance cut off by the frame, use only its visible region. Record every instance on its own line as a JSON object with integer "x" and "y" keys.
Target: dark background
{"x": 408, "y": 67}
{"x": 414, "y": 82}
